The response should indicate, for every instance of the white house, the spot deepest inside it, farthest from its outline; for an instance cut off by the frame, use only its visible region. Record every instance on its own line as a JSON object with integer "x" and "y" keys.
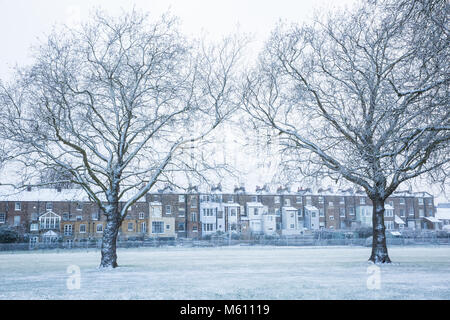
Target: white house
{"x": 443, "y": 215}
{"x": 311, "y": 219}
{"x": 289, "y": 221}
{"x": 255, "y": 213}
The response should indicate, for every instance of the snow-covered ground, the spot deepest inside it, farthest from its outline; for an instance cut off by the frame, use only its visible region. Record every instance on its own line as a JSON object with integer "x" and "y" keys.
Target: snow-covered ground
{"x": 229, "y": 273}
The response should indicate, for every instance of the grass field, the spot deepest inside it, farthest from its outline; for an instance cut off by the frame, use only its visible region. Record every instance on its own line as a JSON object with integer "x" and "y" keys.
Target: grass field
{"x": 289, "y": 273}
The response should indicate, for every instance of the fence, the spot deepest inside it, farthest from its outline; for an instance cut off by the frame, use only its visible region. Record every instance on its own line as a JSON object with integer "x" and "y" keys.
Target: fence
{"x": 285, "y": 241}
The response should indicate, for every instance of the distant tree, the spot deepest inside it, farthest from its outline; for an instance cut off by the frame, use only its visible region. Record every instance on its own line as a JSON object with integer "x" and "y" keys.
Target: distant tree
{"x": 116, "y": 104}
{"x": 362, "y": 95}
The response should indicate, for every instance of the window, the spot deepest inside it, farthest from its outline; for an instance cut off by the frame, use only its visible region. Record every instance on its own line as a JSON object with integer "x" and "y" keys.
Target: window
{"x": 181, "y": 226}
{"x": 292, "y": 214}
{"x": 94, "y": 215}
{"x": 300, "y": 213}
{"x": 34, "y": 227}
{"x": 181, "y": 212}
{"x": 219, "y": 214}
{"x": 330, "y": 204}
{"x": 292, "y": 226}
{"x": 168, "y": 209}
{"x": 82, "y": 228}
{"x": 18, "y": 206}
{"x": 430, "y": 213}
{"x": 208, "y": 212}
{"x": 342, "y": 200}
{"x": 351, "y": 211}
{"x": 157, "y": 227}
{"x": 141, "y": 215}
{"x": 208, "y": 227}
{"x": 320, "y": 199}
{"x": 388, "y": 213}
{"x": 411, "y": 211}
{"x": 342, "y": 212}
{"x": 49, "y": 221}
{"x": 421, "y": 214}
{"x": 389, "y": 225}
{"x": 193, "y": 202}
{"x": 362, "y": 200}
{"x": 402, "y": 212}
{"x": 34, "y": 216}
{"x": 277, "y": 199}
{"x": 181, "y": 198}
{"x": 332, "y": 217}
{"x": 321, "y": 213}
{"x": 79, "y": 218}
{"x": 287, "y": 202}
{"x": 65, "y": 216}
{"x": 194, "y": 228}
{"x": 2, "y": 217}
{"x": 130, "y": 226}
{"x": 313, "y": 214}
{"x": 391, "y": 203}
{"x": 167, "y": 226}
{"x": 33, "y": 241}
{"x": 402, "y": 200}
{"x": 255, "y": 211}
{"x": 254, "y": 199}
{"x": 194, "y": 216}
{"x": 49, "y": 206}
{"x": 68, "y": 230}
{"x": 231, "y": 199}
{"x": 16, "y": 221}
{"x": 420, "y": 201}
{"x": 99, "y": 228}
{"x": 233, "y": 212}
{"x": 299, "y": 199}
{"x": 79, "y": 206}
{"x": 430, "y": 202}
{"x": 143, "y": 227}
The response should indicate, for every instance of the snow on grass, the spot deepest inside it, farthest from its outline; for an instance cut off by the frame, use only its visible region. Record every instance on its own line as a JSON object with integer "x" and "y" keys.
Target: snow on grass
{"x": 289, "y": 273}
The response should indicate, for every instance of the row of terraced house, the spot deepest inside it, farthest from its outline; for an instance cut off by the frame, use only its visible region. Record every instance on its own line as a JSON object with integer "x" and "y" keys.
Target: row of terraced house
{"x": 49, "y": 215}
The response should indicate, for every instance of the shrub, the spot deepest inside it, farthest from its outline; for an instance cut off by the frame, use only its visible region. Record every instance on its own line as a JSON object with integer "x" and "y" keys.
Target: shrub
{"x": 9, "y": 235}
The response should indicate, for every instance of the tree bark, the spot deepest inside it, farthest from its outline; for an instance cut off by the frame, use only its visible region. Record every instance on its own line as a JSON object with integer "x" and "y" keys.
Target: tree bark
{"x": 110, "y": 233}
{"x": 379, "y": 248}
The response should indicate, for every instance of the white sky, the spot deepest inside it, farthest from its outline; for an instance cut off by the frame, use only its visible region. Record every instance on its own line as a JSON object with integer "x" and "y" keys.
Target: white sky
{"x": 23, "y": 22}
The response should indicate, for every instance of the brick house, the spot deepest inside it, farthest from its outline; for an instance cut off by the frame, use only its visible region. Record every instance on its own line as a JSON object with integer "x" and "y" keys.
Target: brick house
{"x": 48, "y": 215}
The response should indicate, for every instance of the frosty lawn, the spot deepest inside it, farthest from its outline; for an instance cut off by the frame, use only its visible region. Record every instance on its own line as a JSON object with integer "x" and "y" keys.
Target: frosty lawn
{"x": 228, "y": 273}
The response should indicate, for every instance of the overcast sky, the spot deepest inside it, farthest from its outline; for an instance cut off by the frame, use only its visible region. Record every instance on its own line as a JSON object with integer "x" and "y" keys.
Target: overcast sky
{"x": 22, "y": 22}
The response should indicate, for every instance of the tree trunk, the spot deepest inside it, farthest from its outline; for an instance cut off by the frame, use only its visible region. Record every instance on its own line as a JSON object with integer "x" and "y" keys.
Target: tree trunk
{"x": 379, "y": 248}
{"x": 109, "y": 255}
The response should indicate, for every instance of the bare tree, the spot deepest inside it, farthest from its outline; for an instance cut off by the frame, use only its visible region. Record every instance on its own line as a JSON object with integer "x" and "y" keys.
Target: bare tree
{"x": 361, "y": 95}
{"x": 116, "y": 104}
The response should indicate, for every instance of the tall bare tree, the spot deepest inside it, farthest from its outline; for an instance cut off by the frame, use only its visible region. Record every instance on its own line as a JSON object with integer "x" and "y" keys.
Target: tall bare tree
{"x": 361, "y": 95}
{"x": 116, "y": 104}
